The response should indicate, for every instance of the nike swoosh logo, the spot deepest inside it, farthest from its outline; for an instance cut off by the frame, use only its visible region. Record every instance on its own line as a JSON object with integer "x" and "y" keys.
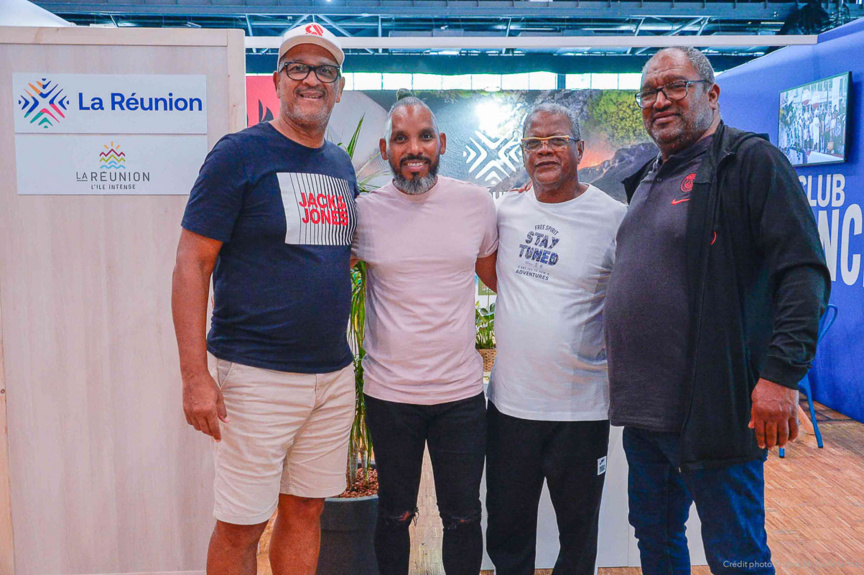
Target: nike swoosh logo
{"x": 676, "y": 202}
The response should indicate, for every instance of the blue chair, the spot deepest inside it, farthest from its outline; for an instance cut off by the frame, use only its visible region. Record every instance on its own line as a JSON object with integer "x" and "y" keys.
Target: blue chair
{"x": 804, "y": 385}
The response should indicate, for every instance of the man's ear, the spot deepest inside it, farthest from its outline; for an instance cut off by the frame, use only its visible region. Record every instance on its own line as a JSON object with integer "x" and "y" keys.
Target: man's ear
{"x": 339, "y": 89}
{"x": 714, "y": 96}
{"x": 580, "y": 151}
{"x": 443, "y": 139}
{"x": 382, "y": 145}
{"x": 276, "y": 81}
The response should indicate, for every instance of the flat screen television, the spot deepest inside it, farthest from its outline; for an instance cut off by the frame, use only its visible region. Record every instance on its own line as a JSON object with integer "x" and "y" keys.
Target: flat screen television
{"x": 813, "y": 121}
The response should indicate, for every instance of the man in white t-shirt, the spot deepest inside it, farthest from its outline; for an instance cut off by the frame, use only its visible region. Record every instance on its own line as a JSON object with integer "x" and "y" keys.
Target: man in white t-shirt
{"x": 422, "y": 237}
{"x": 549, "y": 392}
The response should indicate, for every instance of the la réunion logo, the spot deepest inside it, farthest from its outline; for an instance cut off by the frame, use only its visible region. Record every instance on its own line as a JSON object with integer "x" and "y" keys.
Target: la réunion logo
{"x": 43, "y": 103}
{"x": 112, "y": 158}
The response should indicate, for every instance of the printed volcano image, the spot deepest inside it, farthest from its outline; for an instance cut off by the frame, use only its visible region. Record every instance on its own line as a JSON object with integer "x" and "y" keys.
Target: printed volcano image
{"x": 484, "y": 132}
{"x": 608, "y": 176}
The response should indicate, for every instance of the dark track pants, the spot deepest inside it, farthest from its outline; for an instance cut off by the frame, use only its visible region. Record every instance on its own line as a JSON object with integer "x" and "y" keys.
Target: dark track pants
{"x": 521, "y": 453}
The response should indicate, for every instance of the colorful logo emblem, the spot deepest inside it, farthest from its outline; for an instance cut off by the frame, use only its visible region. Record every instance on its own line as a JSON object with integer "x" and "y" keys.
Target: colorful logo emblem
{"x": 315, "y": 29}
{"x": 43, "y": 103}
{"x": 112, "y": 158}
{"x": 687, "y": 183}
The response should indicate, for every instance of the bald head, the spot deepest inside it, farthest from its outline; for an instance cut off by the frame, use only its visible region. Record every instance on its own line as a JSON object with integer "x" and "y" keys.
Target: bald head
{"x": 407, "y": 99}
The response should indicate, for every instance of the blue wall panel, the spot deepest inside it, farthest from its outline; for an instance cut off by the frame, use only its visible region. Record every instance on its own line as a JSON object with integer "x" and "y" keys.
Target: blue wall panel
{"x": 750, "y": 99}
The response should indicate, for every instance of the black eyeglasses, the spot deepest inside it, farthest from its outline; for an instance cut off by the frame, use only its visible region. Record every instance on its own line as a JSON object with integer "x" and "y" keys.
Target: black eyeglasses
{"x": 299, "y": 71}
{"x": 554, "y": 143}
{"x": 673, "y": 91}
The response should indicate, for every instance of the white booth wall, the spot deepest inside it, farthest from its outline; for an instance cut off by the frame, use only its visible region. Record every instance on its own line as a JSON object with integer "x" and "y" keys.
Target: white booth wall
{"x": 101, "y": 474}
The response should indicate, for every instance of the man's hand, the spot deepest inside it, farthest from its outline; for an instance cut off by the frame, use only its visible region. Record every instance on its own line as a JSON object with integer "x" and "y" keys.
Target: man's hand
{"x": 524, "y": 187}
{"x": 204, "y": 406}
{"x": 774, "y": 415}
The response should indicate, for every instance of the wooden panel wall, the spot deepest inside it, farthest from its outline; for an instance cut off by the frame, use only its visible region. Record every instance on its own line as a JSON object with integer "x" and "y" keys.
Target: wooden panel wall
{"x": 102, "y": 473}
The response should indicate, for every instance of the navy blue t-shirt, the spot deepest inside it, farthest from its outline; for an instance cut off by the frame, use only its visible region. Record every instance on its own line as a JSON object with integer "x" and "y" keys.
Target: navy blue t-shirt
{"x": 282, "y": 280}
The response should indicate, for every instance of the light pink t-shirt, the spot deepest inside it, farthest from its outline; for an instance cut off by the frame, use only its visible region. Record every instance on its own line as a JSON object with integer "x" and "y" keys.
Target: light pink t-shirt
{"x": 420, "y": 253}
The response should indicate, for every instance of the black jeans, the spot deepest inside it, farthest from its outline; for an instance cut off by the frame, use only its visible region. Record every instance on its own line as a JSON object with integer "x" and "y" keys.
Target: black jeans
{"x": 456, "y": 435}
{"x": 571, "y": 457}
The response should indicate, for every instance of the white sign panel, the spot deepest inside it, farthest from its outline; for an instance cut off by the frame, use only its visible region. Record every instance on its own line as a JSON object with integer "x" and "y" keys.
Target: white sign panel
{"x": 108, "y": 165}
{"x": 110, "y": 103}
{"x": 152, "y": 132}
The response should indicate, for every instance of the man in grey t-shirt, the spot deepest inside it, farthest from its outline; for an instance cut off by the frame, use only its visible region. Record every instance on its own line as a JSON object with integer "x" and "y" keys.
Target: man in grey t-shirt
{"x": 651, "y": 284}
{"x": 711, "y": 319}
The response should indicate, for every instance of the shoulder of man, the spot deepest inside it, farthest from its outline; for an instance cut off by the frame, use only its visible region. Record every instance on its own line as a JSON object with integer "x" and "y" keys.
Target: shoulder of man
{"x": 602, "y": 196}
{"x": 614, "y": 207}
{"x": 744, "y": 143}
{"x": 255, "y": 132}
{"x": 510, "y": 197}
{"x": 753, "y": 151}
{"x": 632, "y": 181}
{"x": 477, "y": 193}
{"x": 338, "y": 151}
{"x": 243, "y": 142}
{"x": 511, "y": 204}
{"x": 461, "y": 185}
{"x": 367, "y": 200}
{"x": 341, "y": 161}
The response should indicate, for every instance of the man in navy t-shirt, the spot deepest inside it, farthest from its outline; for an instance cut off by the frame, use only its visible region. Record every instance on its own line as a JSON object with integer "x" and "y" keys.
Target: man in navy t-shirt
{"x": 271, "y": 218}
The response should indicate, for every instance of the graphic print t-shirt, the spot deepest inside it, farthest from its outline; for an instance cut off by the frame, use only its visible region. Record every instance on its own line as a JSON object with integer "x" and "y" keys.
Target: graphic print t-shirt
{"x": 420, "y": 253}
{"x": 282, "y": 283}
{"x": 554, "y": 263}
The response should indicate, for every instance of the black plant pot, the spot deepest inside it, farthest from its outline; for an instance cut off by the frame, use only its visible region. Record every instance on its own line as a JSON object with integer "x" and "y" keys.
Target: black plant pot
{"x": 347, "y": 532}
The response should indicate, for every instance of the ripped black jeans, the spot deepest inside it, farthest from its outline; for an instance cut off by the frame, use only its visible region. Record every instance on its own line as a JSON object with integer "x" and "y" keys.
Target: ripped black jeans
{"x": 456, "y": 435}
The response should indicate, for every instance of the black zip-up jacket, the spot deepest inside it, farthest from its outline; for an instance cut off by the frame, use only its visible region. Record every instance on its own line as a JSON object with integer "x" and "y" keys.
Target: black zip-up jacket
{"x": 757, "y": 287}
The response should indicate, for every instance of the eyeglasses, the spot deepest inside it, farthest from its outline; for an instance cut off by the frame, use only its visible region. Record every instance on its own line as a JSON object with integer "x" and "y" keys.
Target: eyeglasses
{"x": 673, "y": 91}
{"x": 553, "y": 142}
{"x": 299, "y": 71}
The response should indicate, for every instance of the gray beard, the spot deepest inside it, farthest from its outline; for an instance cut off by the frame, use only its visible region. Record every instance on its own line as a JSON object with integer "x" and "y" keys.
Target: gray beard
{"x": 417, "y": 186}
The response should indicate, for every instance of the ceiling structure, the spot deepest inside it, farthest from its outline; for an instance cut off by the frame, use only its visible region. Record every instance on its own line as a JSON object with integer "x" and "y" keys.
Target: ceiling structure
{"x": 477, "y": 19}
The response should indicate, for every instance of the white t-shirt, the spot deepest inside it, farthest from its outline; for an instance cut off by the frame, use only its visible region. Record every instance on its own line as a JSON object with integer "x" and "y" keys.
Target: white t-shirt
{"x": 554, "y": 263}
{"x": 420, "y": 253}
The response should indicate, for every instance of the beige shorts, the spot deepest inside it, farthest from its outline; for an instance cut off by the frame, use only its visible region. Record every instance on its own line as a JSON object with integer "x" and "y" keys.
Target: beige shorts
{"x": 288, "y": 433}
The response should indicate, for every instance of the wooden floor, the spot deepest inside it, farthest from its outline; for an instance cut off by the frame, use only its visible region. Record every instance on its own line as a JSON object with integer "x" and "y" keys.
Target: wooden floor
{"x": 814, "y": 508}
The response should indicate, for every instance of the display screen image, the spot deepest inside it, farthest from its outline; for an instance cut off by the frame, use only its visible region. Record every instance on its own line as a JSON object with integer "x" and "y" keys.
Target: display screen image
{"x": 813, "y": 121}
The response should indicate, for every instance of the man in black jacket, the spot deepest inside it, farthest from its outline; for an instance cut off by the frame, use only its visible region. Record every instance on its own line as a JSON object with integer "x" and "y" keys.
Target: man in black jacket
{"x": 711, "y": 320}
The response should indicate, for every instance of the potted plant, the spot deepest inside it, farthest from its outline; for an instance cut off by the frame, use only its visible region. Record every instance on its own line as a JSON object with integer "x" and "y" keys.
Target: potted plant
{"x": 348, "y": 521}
{"x": 484, "y": 322}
